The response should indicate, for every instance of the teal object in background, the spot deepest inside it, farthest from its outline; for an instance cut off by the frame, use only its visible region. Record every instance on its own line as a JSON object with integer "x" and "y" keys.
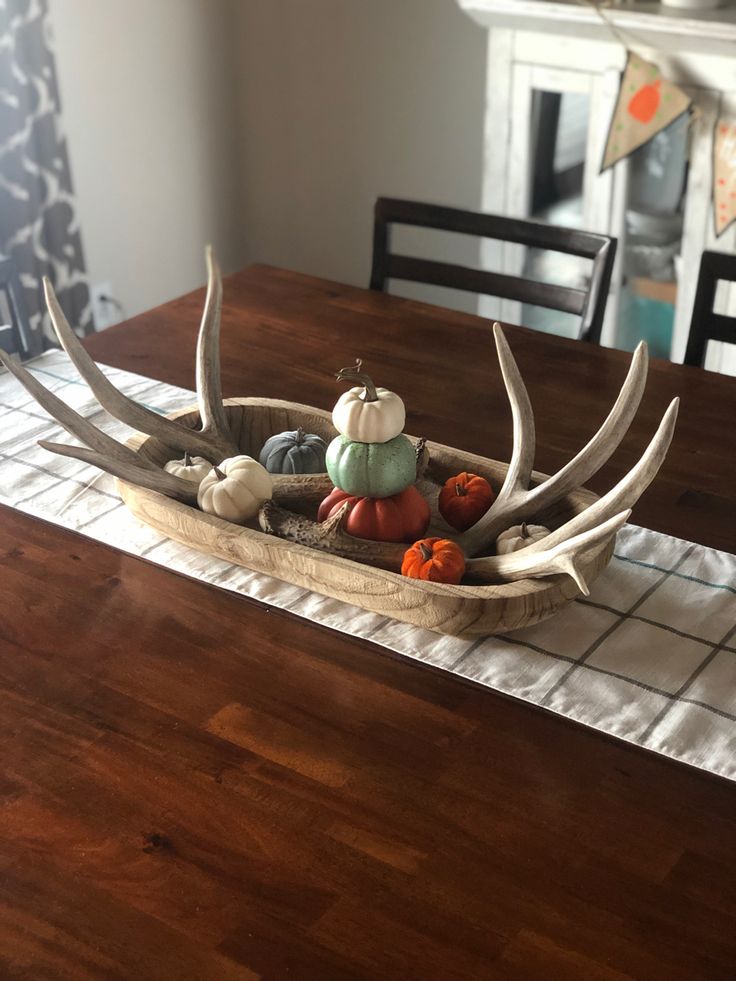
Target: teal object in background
{"x": 642, "y": 319}
{"x": 371, "y": 469}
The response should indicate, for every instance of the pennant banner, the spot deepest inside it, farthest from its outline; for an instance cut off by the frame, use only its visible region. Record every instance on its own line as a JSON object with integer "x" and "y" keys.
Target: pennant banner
{"x": 724, "y": 174}
{"x": 646, "y": 103}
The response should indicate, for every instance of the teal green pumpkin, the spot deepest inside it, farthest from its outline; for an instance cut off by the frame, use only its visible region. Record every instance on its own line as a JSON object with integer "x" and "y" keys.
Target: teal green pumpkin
{"x": 294, "y": 452}
{"x": 371, "y": 469}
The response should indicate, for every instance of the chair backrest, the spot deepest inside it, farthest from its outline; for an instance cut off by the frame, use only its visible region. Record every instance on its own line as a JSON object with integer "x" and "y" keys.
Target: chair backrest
{"x": 705, "y": 324}
{"x": 17, "y": 336}
{"x": 589, "y": 304}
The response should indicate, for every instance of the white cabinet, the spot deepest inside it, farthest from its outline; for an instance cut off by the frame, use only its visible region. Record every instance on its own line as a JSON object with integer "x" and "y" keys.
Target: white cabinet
{"x": 536, "y": 46}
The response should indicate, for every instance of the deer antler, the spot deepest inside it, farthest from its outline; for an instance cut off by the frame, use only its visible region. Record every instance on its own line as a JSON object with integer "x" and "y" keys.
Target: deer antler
{"x": 213, "y": 442}
{"x": 559, "y": 557}
{"x": 517, "y": 502}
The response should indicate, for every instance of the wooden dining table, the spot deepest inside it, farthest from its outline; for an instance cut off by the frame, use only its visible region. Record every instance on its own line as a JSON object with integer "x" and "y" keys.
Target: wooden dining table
{"x": 197, "y": 786}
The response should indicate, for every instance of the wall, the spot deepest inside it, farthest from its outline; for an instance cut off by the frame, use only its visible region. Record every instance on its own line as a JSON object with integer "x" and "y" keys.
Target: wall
{"x": 148, "y": 100}
{"x": 344, "y": 100}
{"x": 266, "y": 126}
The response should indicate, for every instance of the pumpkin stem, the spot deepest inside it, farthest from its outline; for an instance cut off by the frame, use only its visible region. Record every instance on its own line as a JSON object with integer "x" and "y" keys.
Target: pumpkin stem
{"x": 299, "y": 438}
{"x": 426, "y": 551}
{"x": 461, "y": 490}
{"x": 218, "y": 473}
{"x": 187, "y": 459}
{"x": 354, "y": 373}
{"x": 524, "y": 531}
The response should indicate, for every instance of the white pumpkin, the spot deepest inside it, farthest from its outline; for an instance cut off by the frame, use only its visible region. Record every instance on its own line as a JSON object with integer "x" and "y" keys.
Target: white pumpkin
{"x": 519, "y": 537}
{"x": 367, "y": 414}
{"x": 235, "y": 489}
{"x": 191, "y": 468}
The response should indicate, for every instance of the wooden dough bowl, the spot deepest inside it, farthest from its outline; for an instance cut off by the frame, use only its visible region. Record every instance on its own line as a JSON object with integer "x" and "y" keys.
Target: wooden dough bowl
{"x": 464, "y": 610}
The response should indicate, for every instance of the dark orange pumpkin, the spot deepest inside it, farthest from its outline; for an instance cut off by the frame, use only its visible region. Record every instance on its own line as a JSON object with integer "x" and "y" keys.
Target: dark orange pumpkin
{"x": 403, "y": 517}
{"x": 464, "y": 499}
{"x": 434, "y": 559}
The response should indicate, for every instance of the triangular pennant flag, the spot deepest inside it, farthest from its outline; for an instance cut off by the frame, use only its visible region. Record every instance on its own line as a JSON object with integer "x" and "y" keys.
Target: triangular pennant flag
{"x": 646, "y": 104}
{"x": 724, "y": 174}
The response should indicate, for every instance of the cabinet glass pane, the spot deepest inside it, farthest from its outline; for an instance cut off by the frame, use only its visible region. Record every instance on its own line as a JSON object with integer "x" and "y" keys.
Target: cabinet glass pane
{"x": 650, "y": 255}
{"x": 559, "y": 138}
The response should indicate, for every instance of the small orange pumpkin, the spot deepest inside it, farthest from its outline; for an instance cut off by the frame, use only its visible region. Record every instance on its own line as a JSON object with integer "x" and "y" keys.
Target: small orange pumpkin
{"x": 434, "y": 559}
{"x": 464, "y": 499}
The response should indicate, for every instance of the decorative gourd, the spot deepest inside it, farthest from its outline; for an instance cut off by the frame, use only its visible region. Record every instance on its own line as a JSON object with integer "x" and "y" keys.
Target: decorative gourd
{"x": 371, "y": 469}
{"x": 294, "y": 451}
{"x": 402, "y": 517}
{"x": 367, "y": 414}
{"x": 464, "y": 499}
{"x": 192, "y": 468}
{"x": 235, "y": 489}
{"x": 435, "y": 559}
{"x": 519, "y": 537}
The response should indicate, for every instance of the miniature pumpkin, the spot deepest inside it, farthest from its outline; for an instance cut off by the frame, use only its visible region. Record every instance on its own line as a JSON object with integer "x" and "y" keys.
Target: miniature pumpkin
{"x": 402, "y": 517}
{"x": 367, "y": 414}
{"x": 464, "y": 499}
{"x": 434, "y": 559}
{"x": 294, "y": 451}
{"x": 371, "y": 469}
{"x": 519, "y": 537}
{"x": 235, "y": 489}
{"x": 191, "y": 468}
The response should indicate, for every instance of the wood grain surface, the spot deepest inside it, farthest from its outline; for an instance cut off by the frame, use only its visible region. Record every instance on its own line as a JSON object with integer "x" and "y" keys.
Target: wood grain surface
{"x": 197, "y": 787}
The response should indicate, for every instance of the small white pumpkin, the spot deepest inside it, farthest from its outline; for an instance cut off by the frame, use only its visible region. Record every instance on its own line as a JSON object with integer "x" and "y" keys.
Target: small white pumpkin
{"x": 235, "y": 489}
{"x": 192, "y": 468}
{"x": 367, "y": 414}
{"x": 519, "y": 537}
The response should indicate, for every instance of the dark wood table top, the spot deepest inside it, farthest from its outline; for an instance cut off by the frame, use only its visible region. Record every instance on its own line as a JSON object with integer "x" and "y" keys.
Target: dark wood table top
{"x": 195, "y": 786}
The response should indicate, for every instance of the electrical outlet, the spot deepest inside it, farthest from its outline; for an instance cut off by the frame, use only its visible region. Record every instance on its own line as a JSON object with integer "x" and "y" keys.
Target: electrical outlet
{"x": 104, "y": 313}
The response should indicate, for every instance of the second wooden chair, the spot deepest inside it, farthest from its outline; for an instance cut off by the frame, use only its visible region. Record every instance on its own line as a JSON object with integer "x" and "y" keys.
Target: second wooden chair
{"x": 589, "y": 304}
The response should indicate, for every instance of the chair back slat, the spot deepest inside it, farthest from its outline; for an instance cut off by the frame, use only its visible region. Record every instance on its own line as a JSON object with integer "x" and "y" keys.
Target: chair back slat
{"x": 706, "y": 325}
{"x": 589, "y": 304}
{"x": 563, "y": 298}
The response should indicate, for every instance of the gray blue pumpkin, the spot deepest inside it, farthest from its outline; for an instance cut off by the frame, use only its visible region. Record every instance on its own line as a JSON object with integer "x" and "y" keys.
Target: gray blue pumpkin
{"x": 371, "y": 469}
{"x": 294, "y": 451}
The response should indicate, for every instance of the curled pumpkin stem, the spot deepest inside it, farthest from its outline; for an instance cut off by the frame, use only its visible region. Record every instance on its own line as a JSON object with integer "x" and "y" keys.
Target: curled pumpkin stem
{"x": 354, "y": 373}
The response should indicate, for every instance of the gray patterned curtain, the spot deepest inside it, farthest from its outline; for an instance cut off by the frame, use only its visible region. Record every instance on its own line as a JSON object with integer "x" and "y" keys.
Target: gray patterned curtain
{"x": 38, "y": 225}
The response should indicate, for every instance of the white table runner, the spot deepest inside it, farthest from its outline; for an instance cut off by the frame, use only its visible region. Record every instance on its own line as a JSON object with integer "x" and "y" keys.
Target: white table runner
{"x": 649, "y": 657}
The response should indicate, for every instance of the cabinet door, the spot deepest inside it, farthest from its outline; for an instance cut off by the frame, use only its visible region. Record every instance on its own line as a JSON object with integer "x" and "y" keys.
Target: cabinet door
{"x": 517, "y": 168}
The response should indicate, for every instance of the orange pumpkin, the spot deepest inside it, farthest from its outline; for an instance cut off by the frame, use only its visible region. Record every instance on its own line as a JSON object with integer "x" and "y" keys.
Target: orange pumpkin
{"x": 464, "y": 499}
{"x": 434, "y": 559}
{"x": 403, "y": 517}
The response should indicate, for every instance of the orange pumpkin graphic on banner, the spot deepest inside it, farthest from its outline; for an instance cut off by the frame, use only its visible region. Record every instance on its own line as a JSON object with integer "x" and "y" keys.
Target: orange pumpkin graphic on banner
{"x": 644, "y": 103}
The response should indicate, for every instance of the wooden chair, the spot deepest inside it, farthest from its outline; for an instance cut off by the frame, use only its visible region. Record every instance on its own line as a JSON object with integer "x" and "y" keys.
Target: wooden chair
{"x": 17, "y": 337}
{"x": 589, "y": 304}
{"x": 705, "y": 324}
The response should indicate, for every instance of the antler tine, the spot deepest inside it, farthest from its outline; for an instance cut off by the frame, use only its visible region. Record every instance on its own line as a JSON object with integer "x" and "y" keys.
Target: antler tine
{"x": 71, "y": 421}
{"x": 522, "y": 457}
{"x": 621, "y": 497}
{"x": 602, "y": 446}
{"x": 562, "y": 557}
{"x": 515, "y": 502}
{"x": 629, "y": 489}
{"x": 157, "y": 480}
{"x": 209, "y": 387}
{"x": 123, "y": 408}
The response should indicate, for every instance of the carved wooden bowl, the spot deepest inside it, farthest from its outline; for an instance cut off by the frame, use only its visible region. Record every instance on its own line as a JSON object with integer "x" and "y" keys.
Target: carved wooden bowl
{"x": 464, "y": 610}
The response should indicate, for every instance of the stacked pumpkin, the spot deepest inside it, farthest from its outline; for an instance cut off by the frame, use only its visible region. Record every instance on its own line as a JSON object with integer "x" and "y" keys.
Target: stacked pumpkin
{"x": 373, "y": 465}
